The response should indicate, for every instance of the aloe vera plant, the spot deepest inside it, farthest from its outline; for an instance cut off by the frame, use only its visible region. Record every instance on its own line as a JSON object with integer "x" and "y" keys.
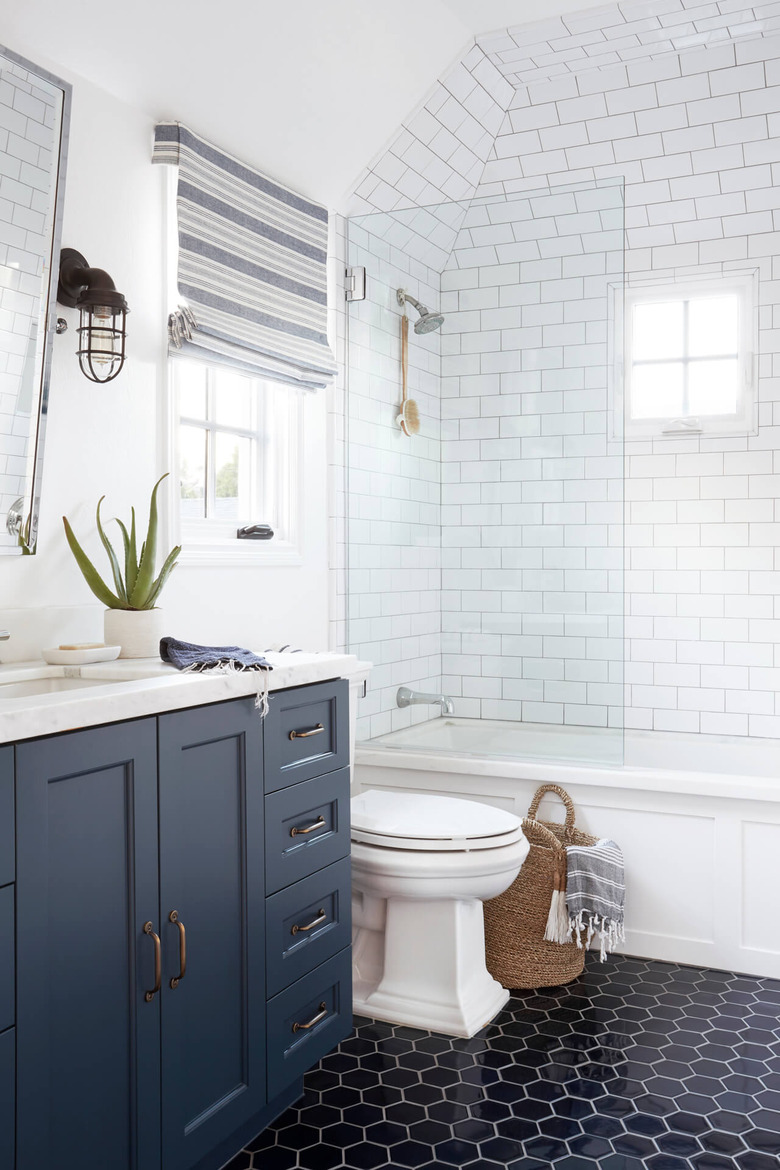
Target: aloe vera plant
{"x": 135, "y": 583}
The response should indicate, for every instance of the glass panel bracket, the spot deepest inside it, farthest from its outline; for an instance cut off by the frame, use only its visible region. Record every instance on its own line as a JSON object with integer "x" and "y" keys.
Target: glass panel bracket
{"x": 356, "y": 283}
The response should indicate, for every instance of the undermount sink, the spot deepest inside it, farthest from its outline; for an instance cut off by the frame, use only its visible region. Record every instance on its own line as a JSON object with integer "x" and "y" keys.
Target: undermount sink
{"x": 47, "y": 686}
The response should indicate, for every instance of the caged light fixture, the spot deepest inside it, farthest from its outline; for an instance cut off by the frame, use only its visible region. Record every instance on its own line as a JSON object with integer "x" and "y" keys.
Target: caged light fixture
{"x": 103, "y": 315}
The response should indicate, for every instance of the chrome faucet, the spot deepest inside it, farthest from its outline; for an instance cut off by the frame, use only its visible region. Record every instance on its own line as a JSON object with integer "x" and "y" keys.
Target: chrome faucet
{"x": 408, "y": 698}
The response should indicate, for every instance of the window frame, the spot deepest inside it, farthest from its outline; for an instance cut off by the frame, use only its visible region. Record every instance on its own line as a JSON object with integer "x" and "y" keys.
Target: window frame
{"x": 741, "y": 422}
{"x": 277, "y": 422}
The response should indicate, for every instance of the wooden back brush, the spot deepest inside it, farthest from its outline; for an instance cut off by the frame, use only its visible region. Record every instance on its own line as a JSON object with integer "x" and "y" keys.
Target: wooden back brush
{"x": 409, "y": 418}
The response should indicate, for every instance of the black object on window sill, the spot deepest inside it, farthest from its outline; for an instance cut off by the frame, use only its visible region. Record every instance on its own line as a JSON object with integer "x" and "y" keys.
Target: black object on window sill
{"x": 255, "y": 532}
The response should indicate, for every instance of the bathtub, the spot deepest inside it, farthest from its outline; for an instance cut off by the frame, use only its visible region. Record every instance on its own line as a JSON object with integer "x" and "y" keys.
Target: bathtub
{"x": 697, "y": 816}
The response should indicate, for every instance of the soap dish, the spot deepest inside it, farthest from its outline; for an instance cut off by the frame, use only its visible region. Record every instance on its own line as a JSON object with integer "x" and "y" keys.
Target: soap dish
{"x": 57, "y": 657}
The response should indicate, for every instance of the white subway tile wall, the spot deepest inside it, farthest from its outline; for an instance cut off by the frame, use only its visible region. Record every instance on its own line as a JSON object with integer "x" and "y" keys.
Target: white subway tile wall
{"x": 393, "y": 522}
{"x": 689, "y": 118}
{"x": 532, "y": 485}
{"x": 27, "y": 117}
{"x": 615, "y": 38}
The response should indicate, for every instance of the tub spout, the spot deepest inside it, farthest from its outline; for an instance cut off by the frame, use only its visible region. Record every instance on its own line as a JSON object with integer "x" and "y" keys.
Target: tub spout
{"x": 409, "y": 698}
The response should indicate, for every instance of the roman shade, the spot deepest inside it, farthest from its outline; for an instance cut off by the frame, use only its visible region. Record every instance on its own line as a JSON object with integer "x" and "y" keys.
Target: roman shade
{"x": 251, "y": 266}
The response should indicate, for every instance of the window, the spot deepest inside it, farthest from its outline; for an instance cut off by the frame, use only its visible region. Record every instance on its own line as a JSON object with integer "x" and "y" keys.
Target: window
{"x": 238, "y": 439}
{"x": 689, "y": 358}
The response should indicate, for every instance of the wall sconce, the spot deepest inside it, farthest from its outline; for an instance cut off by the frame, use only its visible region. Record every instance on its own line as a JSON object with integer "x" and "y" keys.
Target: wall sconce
{"x": 103, "y": 315}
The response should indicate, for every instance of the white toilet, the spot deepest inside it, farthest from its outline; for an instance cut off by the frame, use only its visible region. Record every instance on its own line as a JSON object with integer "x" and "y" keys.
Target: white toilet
{"x": 421, "y": 867}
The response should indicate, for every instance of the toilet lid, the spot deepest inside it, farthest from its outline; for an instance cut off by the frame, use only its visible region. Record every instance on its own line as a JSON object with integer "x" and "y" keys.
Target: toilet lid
{"x": 410, "y": 820}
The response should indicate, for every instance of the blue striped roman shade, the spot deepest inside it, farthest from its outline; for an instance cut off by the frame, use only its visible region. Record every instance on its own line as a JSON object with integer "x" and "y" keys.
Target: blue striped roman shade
{"x": 252, "y": 265}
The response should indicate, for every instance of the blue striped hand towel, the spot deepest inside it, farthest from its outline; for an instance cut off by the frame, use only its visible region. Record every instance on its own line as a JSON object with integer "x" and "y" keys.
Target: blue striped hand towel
{"x": 595, "y": 894}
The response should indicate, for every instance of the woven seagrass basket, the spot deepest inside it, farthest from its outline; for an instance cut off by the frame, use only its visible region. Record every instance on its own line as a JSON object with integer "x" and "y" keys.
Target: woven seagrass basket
{"x": 516, "y": 951}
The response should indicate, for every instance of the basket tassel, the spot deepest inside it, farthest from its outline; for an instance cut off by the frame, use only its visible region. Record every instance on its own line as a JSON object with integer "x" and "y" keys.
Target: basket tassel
{"x": 557, "y": 929}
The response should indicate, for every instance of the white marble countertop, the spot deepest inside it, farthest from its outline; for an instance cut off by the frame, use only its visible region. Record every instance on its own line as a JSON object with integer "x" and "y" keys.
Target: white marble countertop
{"x": 108, "y": 692}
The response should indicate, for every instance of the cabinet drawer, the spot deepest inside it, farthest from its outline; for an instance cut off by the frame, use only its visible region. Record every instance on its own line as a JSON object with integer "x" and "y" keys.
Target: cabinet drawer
{"x": 7, "y": 957}
{"x": 7, "y": 1098}
{"x": 306, "y": 733}
{"x": 293, "y": 946}
{"x": 7, "y": 865}
{"x": 306, "y": 828}
{"x": 297, "y": 1039}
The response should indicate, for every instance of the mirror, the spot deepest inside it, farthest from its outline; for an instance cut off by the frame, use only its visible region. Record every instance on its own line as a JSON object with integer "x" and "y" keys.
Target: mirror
{"x": 34, "y": 119}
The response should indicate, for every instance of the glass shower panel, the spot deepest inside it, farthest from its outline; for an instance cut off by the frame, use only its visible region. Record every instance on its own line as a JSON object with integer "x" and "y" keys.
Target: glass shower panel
{"x": 485, "y": 555}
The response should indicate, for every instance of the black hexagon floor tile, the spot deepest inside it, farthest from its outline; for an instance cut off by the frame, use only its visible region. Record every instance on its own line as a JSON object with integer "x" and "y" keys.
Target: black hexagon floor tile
{"x": 637, "y": 1065}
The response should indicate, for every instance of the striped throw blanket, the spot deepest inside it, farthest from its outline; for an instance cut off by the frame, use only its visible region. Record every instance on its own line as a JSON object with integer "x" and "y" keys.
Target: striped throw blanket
{"x": 595, "y": 894}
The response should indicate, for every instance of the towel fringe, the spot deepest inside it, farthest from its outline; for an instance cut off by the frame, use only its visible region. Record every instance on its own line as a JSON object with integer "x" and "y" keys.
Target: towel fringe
{"x": 557, "y": 928}
{"x": 230, "y": 666}
{"x": 608, "y": 931}
{"x": 261, "y": 697}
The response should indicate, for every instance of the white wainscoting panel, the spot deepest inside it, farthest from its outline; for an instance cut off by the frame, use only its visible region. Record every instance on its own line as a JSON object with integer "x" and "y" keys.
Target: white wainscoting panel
{"x": 702, "y": 870}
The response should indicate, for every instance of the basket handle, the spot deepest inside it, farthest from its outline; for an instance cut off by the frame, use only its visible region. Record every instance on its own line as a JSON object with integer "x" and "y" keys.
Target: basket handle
{"x": 550, "y": 840}
{"x": 562, "y": 793}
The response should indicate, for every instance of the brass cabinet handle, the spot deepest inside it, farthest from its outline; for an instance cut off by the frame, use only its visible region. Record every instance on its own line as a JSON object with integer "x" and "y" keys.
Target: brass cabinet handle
{"x": 321, "y": 1014}
{"x": 174, "y": 917}
{"x": 318, "y": 824}
{"x": 149, "y": 995}
{"x": 321, "y": 917}
{"x": 305, "y": 734}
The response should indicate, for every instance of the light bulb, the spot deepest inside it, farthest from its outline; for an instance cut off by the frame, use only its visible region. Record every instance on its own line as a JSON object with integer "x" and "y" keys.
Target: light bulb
{"x": 101, "y": 335}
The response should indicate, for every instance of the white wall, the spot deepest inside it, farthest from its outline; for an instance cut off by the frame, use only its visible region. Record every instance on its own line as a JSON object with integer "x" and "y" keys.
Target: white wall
{"x": 106, "y": 439}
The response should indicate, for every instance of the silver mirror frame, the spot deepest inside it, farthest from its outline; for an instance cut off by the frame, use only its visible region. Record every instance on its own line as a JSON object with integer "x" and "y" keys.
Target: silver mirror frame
{"x": 32, "y": 495}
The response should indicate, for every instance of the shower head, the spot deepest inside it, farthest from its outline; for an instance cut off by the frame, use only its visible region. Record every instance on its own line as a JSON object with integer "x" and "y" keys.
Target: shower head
{"x": 428, "y": 321}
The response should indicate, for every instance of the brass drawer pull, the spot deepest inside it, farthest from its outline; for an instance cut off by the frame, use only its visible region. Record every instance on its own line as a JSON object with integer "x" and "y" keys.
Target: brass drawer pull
{"x": 305, "y": 734}
{"x": 321, "y": 1014}
{"x": 149, "y": 995}
{"x": 174, "y": 917}
{"x": 318, "y": 824}
{"x": 321, "y": 917}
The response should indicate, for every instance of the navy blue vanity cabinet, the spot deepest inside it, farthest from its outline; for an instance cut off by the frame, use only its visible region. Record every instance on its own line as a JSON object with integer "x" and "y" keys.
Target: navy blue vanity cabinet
{"x": 182, "y": 928}
{"x": 307, "y": 873}
{"x": 7, "y": 1098}
{"x": 87, "y": 910}
{"x": 7, "y": 962}
{"x": 212, "y": 923}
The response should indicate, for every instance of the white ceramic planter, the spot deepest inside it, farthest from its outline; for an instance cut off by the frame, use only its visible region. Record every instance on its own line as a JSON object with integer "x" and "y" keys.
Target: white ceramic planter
{"x": 137, "y": 631}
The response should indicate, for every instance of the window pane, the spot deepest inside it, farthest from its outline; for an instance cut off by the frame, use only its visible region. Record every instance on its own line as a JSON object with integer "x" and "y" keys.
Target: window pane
{"x": 657, "y": 390}
{"x": 658, "y": 330}
{"x": 713, "y": 387}
{"x": 232, "y": 477}
{"x": 191, "y": 381}
{"x": 192, "y": 472}
{"x": 232, "y": 399}
{"x": 713, "y": 325}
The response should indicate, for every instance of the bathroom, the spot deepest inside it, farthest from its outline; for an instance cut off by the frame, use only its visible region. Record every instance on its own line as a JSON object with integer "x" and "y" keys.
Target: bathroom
{"x": 575, "y": 587}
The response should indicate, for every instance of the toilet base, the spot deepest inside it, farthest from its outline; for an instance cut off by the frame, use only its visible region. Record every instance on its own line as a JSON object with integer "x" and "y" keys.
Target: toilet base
{"x": 427, "y": 967}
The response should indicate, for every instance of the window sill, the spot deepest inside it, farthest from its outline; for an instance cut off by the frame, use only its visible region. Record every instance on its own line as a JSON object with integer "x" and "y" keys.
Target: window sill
{"x": 655, "y": 432}
{"x": 247, "y": 554}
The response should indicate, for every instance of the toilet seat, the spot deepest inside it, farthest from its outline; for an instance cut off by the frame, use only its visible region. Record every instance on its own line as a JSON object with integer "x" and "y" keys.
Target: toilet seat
{"x": 415, "y": 821}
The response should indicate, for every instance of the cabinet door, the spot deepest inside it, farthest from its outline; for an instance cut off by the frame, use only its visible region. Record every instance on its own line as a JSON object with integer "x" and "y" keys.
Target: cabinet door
{"x": 211, "y": 876}
{"x": 88, "y": 1063}
{"x": 7, "y": 1098}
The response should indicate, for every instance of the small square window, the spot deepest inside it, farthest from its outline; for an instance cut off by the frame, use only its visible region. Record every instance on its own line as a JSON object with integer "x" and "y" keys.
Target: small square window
{"x": 689, "y": 358}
